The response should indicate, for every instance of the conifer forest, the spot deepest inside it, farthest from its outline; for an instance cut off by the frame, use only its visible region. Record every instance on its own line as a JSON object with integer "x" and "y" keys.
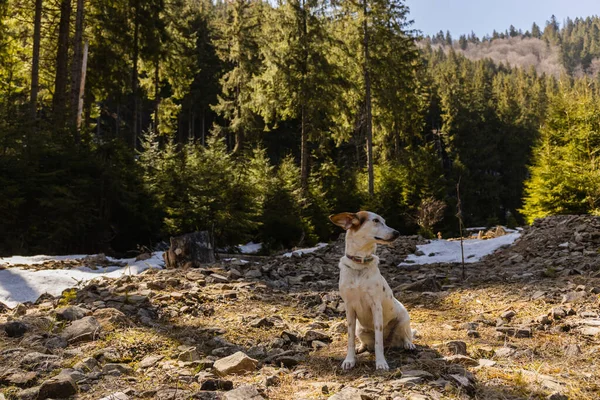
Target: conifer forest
{"x": 124, "y": 122}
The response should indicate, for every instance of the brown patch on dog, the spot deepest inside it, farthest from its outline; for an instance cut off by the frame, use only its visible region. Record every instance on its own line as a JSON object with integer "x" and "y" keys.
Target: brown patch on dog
{"x": 362, "y": 217}
{"x": 348, "y": 220}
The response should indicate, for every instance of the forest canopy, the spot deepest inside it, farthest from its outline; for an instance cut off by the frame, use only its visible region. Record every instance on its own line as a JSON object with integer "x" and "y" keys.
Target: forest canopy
{"x": 125, "y": 122}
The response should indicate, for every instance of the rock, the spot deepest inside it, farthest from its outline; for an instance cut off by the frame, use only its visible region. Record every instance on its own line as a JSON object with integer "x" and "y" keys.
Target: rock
{"x": 150, "y": 361}
{"x": 261, "y": 322}
{"x": 504, "y": 352}
{"x": 71, "y": 313}
{"x": 272, "y": 380}
{"x": 74, "y": 374}
{"x": 116, "y": 369}
{"x": 517, "y": 332}
{"x": 462, "y": 360}
{"x": 473, "y": 333}
{"x": 171, "y": 394}
{"x": 215, "y": 384}
{"x": 59, "y": 387}
{"x": 17, "y": 377}
{"x": 463, "y": 382}
{"x": 350, "y": 393}
{"x": 557, "y": 396}
{"x": 457, "y": 347}
{"x": 40, "y": 361}
{"x": 557, "y": 312}
{"x": 246, "y": 392}
{"x": 88, "y": 364}
{"x": 189, "y": 354}
{"x": 116, "y": 396}
{"x": 253, "y": 274}
{"x": 111, "y": 318}
{"x": 485, "y": 363}
{"x": 590, "y": 331}
{"x": 572, "y": 350}
{"x": 287, "y": 360}
{"x": 508, "y": 315}
{"x": 85, "y": 329}
{"x": 313, "y": 334}
{"x": 15, "y": 329}
{"x": 55, "y": 342}
{"x": 574, "y": 297}
{"x": 235, "y": 364}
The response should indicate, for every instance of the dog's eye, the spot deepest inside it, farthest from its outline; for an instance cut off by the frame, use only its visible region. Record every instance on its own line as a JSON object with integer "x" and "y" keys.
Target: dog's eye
{"x": 376, "y": 221}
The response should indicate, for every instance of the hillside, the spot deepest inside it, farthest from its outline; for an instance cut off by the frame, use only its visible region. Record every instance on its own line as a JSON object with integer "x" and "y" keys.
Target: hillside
{"x": 524, "y": 324}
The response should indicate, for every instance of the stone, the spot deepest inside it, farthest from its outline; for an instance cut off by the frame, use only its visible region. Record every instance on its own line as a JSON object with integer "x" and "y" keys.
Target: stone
{"x": 111, "y": 319}
{"x": 40, "y": 361}
{"x": 485, "y": 363}
{"x": 504, "y": 352}
{"x": 59, "y": 387}
{"x": 55, "y": 342}
{"x": 116, "y": 369}
{"x": 261, "y": 322}
{"x": 246, "y": 392}
{"x": 236, "y": 363}
{"x": 287, "y": 360}
{"x": 253, "y": 274}
{"x": 189, "y": 354}
{"x": 350, "y": 393}
{"x": 424, "y": 285}
{"x": 85, "y": 329}
{"x": 517, "y": 332}
{"x": 70, "y": 313}
{"x": 462, "y": 360}
{"x": 416, "y": 373}
{"x": 508, "y": 314}
{"x": 574, "y": 297}
{"x": 116, "y": 396}
{"x": 88, "y": 364}
{"x": 171, "y": 394}
{"x": 572, "y": 350}
{"x": 15, "y": 329}
{"x": 557, "y": 396}
{"x": 215, "y": 384}
{"x": 150, "y": 361}
{"x": 457, "y": 347}
{"x": 17, "y": 377}
{"x": 473, "y": 333}
{"x": 590, "y": 331}
{"x": 314, "y": 334}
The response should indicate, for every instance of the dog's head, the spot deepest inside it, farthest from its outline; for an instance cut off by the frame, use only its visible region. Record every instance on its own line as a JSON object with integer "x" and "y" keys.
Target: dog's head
{"x": 365, "y": 226}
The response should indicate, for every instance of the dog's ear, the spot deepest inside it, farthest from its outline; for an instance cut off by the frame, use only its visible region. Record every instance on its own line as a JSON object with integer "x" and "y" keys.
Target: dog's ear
{"x": 345, "y": 220}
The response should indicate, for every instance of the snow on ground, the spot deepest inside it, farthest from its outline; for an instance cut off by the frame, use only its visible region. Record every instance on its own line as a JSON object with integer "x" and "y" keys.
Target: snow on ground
{"x": 445, "y": 251}
{"x": 250, "y": 248}
{"x": 19, "y": 285}
{"x": 305, "y": 251}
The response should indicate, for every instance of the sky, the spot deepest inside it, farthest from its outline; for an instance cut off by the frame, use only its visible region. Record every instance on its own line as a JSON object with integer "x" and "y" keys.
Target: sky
{"x": 483, "y": 16}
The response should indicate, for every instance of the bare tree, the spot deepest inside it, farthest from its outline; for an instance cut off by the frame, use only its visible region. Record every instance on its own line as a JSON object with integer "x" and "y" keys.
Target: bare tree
{"x": 76, "y": 65}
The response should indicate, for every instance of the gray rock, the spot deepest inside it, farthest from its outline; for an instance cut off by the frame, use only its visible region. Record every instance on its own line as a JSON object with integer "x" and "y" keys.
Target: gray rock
{"x": 116, "y": 369}
{"x": 350, "y": 393}
{"x": 261, "y": 322}
{"x": 17, "y": 377}
{"x": 60, "y": 387}
{"x": 150, "y": 361}
{"x": 40, "y": 361}
{"x": 88, "y": 364}
{"x": 504, "y": 352}
{"x": 246, "y": 392}
{"x": 457, "y": 347}
{"x": 189, "y": 354}
{"x": 15, "y": 329}
{"x": 85, "y": 329}
{"x": 116, "y": 396}
{"x": 508, "y": 314}
{"x": 235, "y": 364}
{"x": 314, "y": 334}
{"x": 71, "y": 313}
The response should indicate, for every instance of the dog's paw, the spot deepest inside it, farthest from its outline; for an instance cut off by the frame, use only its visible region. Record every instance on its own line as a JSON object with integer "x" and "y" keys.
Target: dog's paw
{"x": 349, "y": 363}
{"x": 409, "y": 346}
{"x": 382, "y": 365}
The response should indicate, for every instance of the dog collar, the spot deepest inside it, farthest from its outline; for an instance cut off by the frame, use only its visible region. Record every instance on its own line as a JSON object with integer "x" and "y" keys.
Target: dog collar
{"x": 360, "y": 260}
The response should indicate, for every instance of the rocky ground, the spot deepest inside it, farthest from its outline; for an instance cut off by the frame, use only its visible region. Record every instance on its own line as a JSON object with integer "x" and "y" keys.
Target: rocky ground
{"x": 523, "y": 324}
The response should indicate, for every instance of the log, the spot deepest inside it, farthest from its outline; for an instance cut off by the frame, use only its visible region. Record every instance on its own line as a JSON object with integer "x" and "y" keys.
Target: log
{"x": 189, "y": 251}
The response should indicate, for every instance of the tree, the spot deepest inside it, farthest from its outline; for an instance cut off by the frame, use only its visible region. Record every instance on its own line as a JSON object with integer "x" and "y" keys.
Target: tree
{"x": 298, "y": 81}
{"x": 35, "y": 63}
{"x": 59, "y": 100}
{"x": 535, "y": 31}
{"x": 76, "y": 65}
{"x": 237, "y": 47}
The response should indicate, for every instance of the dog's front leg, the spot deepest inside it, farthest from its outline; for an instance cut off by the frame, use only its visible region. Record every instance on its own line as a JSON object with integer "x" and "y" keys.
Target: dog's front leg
{"x": 350, "y": 360}
{"x": 380, "y": 362}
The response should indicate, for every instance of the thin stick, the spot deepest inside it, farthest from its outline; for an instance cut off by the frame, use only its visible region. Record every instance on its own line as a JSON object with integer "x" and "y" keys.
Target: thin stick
{"x": 460, "y": 228}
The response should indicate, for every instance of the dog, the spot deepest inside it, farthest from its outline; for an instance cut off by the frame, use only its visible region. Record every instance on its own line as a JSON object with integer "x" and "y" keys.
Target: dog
{"x": 371, "y": 309}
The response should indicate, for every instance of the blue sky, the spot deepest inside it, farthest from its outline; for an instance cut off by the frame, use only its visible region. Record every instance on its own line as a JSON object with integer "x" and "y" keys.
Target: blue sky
{"x": 483, "y": 16}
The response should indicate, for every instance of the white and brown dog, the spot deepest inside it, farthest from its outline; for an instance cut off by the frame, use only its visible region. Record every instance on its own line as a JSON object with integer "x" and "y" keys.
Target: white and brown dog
{"x": 368, "y": 298}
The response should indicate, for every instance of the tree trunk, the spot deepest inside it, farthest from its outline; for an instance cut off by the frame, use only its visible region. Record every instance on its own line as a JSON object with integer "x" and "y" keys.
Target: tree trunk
{"x": 81, "y": 86}
{"x": 76, "y": 68}
{"x": 156, "y": 93}
{"x": 134, "y": 75}
{"x": 189, "y": 250}
{"x": 35, "y": 64}
{"x": 369, "y": 117}
{"x": 304, "y": 150}
{"x": 59, "y": 100}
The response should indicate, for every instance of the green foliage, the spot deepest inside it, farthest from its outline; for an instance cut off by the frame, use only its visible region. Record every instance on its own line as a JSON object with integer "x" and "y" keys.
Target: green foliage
{"x": 565, "y": 178}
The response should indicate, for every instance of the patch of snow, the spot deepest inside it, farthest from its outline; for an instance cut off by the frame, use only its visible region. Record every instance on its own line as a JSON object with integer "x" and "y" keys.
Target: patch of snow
{"x": 299, "y": 252}
{"x": 445, "y": 251}
{"x": 250, "y": 248}
{"x": 19, "y": 285}
{"x": 235, "y": 259}
{"x": 35, "y": 260}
